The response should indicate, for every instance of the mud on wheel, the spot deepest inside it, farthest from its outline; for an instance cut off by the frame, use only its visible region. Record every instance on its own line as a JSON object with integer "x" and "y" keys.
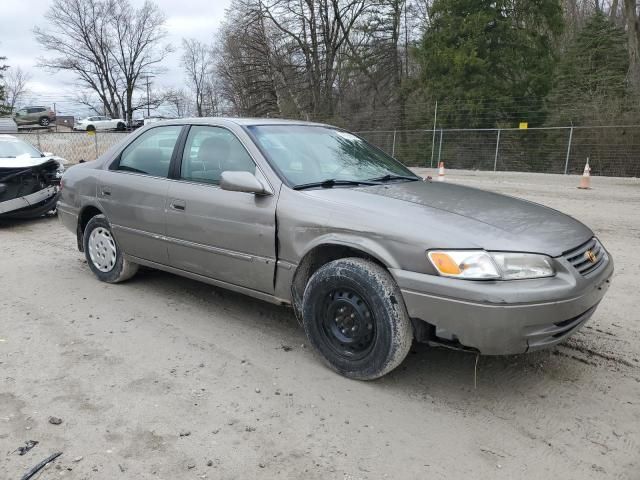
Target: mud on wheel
{"x": 355, "y": 318}
{"x": 103, "y": 254}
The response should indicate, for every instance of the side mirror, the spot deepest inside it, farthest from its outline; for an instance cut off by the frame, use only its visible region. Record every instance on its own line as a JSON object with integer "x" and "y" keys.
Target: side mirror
{"x": 47, "y": 154}
{"x": 242, "y": 182}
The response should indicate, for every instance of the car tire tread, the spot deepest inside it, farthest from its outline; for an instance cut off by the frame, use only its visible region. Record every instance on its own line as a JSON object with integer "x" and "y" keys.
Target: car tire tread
{"x": 393, "y": 342}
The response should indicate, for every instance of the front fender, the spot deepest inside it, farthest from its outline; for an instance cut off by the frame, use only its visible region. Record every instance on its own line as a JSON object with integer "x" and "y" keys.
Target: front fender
{"x": 347, "y": 239}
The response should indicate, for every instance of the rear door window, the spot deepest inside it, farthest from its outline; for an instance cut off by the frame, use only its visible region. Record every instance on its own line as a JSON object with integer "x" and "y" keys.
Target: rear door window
{"x": 151, "y": 152}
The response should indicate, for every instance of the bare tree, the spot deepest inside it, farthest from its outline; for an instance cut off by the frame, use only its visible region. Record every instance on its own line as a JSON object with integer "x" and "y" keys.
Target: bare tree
{"x": 633, "y": 43}
{"x": 3, "y": 68}
{"x": 107, "y": 44}
{"x": 178, "y": 102}
{"x": 197, "y": 62}
{"x": 15, "y": 87}
{"x": 319, "y": 28}
{"x": 137, "y": 48}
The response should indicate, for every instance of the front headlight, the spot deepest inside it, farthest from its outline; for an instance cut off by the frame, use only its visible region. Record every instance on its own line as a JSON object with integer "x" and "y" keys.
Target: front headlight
{"x": 481, "y": 265}
{"x": 514, "y": 266}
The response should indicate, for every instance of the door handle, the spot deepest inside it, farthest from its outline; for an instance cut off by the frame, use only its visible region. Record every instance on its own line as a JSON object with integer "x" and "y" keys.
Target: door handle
{"x": 105, "y": 191}
{"x": 178, "y": 205}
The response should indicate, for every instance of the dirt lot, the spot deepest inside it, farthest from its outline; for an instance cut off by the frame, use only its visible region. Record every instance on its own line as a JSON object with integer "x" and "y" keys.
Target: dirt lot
{"x": 168, "y": 378}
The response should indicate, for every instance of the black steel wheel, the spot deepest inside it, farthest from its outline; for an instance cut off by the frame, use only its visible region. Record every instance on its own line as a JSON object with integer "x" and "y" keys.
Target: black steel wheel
{"x": 355, "y": 318}
{"x": 348, "y": 324}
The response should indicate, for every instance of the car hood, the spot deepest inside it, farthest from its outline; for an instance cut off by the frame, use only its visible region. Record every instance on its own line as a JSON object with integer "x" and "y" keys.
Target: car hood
{"x": 456, "y": 216}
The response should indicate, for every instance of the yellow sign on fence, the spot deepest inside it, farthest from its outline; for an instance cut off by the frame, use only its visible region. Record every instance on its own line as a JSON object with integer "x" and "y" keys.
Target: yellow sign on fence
{"x": 524, "y": 125}
{"x": 91, "y": 132}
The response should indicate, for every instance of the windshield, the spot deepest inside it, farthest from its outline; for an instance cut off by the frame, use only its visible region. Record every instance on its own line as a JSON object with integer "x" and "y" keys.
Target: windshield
{"x": 308, "y": 154}
{"x": 12, "y": 148}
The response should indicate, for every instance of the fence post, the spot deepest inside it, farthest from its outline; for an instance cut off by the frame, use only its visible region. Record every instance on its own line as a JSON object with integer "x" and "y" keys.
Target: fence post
{"x": 440, "y": 148}
{"x": 566, "y": 162}
{"x": 393, "y": 147}
{"x": 38, "y": 137}
{"x": 495, "y": 160}
{"x": 95, "y": 137}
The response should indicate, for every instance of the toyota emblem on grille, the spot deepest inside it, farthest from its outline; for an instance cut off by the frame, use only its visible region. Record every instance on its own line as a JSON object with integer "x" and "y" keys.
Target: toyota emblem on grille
{"x": 589, "y": 255}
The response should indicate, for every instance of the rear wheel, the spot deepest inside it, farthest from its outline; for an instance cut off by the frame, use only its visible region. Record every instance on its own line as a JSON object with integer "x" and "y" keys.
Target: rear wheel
{"x": 91, "y": 128}
{"x": 104, "y": 257}
{"x": 44, "y": 121}
{"x": 355, "y": 318}
{"x": 121, "y": 126}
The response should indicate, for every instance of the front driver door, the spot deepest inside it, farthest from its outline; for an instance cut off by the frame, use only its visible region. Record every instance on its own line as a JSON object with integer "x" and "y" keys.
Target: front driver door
{"x": 133, "y": 193}
{"x": 228, "y": 236}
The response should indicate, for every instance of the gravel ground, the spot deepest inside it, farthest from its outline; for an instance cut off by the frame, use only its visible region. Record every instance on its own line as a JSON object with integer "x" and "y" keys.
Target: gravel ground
{"x": 164, "y": 377}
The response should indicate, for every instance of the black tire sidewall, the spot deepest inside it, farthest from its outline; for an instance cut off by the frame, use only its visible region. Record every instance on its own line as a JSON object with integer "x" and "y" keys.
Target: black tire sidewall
{"x": 384, "y": 301}
{"x": 44, "y": 121}
{"x": 114, "y": 274}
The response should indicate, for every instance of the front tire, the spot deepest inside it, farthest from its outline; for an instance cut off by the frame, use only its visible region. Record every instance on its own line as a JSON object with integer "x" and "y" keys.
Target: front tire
{"x": 44, "y": 122}
{"x": 104, "y": 256}
{"x": 355, "y": 318}
{"x": 91, "y": 128}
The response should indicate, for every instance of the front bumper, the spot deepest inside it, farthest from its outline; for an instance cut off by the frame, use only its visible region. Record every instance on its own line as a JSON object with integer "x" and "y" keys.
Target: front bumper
{"x": 505, "y": 317}
{"x": 31, "y": 204}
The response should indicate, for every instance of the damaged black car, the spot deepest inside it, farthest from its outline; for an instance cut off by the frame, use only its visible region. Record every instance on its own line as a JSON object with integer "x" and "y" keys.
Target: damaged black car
{"x": 29, "y": 179}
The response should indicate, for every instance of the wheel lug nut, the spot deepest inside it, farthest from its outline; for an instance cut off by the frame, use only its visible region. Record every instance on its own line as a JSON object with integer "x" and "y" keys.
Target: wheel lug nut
{"x": 353, "y": 315}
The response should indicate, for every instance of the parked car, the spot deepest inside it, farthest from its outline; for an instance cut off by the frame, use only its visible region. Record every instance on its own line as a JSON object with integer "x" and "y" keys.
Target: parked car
{"x": 99, "y": 123}
{"x": 369, "y": 255}
{"x": 37, "y": 115}
{"x": 29, "y": 179}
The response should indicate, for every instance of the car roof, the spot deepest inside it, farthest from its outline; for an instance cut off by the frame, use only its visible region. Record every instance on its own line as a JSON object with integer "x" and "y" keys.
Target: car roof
{"x": 246, "y": 122}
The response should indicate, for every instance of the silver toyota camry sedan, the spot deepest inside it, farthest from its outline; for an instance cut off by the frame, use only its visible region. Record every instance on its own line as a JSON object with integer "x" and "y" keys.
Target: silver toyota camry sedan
{"x": 370, "y": 256}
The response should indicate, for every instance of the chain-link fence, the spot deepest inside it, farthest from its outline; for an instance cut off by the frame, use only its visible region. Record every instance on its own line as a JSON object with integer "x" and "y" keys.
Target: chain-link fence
{"x": 611, "y": 150}
{"x": 73, "y": 146}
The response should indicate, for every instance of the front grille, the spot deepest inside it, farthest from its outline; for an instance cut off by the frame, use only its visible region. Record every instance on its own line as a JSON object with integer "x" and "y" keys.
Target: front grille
{"x": 579, "y": 257}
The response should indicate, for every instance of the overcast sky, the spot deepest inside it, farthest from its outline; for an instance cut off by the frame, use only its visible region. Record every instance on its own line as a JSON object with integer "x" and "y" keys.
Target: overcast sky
{"x": 185, "y": 18}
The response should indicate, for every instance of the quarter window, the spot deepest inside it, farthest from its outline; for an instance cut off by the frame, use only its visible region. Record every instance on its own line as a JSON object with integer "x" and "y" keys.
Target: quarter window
{"x": 209, "y": 151}
{"x": 151, "y": 152}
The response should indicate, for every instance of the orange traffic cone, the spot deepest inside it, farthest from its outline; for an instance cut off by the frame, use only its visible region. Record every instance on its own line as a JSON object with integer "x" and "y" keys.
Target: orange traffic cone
{"x": 441, "y": 172}
{"x": 585, "y": 180}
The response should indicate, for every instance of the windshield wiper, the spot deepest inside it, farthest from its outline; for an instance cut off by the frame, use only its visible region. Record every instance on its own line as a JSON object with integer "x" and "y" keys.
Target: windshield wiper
{"x": 332, "y": 182}
{"x": 389, "y": 177}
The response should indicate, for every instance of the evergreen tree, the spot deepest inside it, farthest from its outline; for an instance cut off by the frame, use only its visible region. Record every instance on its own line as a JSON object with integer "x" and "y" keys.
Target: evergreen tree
{"x": 493, "y": 58}
{"x": 592, "y": 72}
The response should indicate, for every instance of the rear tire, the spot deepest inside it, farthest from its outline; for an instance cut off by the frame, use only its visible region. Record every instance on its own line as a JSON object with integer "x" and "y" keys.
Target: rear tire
{"x": 120, "y": 127}
{"x": 44, "y": 122}
{"x": 91, "y": 128}
{"x": 104, "y": 256}
{"x": 355, "y": 318}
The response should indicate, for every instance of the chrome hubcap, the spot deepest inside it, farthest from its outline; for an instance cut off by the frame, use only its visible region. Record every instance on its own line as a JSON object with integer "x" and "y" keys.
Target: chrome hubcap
{"x": 102, "y": 249}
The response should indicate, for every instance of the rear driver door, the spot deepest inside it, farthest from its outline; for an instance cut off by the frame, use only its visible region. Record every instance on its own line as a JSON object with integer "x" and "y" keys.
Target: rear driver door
{"x": 133, "y": 193}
